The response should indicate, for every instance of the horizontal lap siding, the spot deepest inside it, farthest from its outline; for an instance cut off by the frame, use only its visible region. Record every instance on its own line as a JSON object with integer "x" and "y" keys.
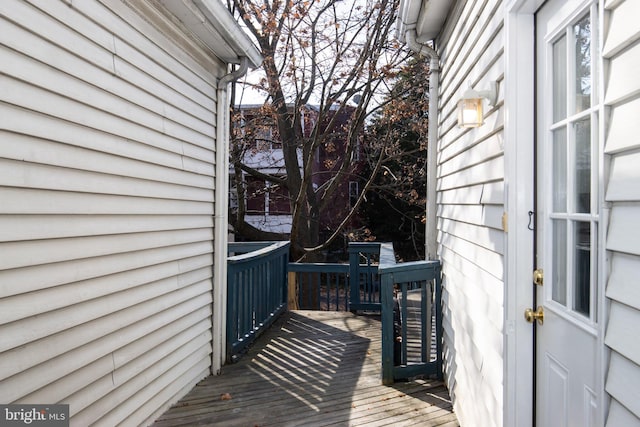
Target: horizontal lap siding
{"x": 107, "y": 148}
{"x": 622, "y": 96}
{"x": 470, "y": 209}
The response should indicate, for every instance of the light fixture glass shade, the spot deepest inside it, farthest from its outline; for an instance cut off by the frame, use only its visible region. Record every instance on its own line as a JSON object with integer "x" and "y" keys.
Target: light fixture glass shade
{"x": 470, "y": 112}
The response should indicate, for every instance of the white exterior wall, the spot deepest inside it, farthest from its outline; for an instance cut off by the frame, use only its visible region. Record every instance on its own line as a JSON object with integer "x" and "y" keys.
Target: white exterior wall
{"x": 107, "y": 152}
{"x": 471, "y": 238}
{"x": 622, "y": 143}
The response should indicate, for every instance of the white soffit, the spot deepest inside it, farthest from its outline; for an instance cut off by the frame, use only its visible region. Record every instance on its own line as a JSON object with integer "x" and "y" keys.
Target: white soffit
{"x": 214, "y": 25}
{"x": 425, "y": 16}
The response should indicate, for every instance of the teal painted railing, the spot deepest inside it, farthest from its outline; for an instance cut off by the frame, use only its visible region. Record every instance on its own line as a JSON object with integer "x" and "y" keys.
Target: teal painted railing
{"x": 414, "y": 290}
{"x": 408, "y": 295}
{"x": 321, "y": 286}
{"x": 364, "y": 281}
{"x": 239, "y": 248}
{"x": 340, "y": 287}
{"x": 256, "y": 292}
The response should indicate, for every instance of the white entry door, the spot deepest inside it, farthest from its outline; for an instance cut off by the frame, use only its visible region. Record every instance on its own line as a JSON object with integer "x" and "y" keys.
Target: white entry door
{"x": 567, "y": 211}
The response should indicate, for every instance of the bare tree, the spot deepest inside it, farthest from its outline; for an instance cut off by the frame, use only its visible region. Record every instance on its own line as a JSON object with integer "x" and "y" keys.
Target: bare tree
{"x": 329, "y": 53}
{"x": 400, "y": 190}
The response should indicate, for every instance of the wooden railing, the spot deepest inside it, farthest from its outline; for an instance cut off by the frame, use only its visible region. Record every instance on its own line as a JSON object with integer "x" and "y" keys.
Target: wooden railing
{"x": 364, "y": 282}
{"x": 239, "y": 248}
{"x": 319, "y": 286}
{"x": 408, "y": 296}
{"x": 256, "y": 292}
{"x": 411, "y": 302}
{"x": 338, "y": 287}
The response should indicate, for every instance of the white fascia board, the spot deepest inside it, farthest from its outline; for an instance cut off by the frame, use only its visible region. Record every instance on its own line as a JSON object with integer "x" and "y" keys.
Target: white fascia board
{"x": 425, "y": 16}
{"x": 407, "y": 17}
{"x": 213, "y": 24}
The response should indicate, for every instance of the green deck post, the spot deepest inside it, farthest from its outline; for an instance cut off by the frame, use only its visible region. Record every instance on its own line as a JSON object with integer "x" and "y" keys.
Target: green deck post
{"x": 438, "y": 308}
{"x": 354, "y": 277}
{"x": 386, "y": 289}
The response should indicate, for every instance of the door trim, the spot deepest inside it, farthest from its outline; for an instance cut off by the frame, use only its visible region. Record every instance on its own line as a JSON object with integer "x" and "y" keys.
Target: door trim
{"x": 605, "y": 212}
{"x": 519, "y": 94}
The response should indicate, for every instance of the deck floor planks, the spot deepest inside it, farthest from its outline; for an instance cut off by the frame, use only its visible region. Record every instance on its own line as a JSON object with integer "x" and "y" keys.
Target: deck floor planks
{"x": 312, "y": 368}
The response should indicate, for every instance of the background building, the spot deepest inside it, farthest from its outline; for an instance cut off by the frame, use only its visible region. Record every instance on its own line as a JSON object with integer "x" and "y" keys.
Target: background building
{"x": 268, "y": 205}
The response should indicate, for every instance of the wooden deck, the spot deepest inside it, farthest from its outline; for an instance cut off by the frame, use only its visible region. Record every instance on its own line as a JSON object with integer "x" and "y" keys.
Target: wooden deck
{"x": 312, "y": 368}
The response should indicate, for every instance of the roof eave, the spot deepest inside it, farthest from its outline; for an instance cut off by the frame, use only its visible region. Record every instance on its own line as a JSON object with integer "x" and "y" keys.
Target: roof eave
{"x": 212, "y": 23}
{"x": 427, "y": 17}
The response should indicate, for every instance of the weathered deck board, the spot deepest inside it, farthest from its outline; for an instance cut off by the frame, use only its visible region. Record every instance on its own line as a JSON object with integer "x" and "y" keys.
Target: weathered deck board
{"x": 312, "y": 368}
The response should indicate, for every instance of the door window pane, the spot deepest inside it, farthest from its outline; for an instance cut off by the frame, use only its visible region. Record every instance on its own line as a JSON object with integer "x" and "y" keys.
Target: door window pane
{"x": 559, "y": 277}
{"x": 582, "y": 269}
{"x": 559, "y": 162}
{"x": 568, "y": 161}
{"x": 583, "y": 166}
{"x": 582, "y": 33}
{"x": 560, "y": 79}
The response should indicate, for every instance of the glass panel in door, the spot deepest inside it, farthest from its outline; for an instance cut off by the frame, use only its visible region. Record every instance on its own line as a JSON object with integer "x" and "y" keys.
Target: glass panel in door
{"x": 572, "y": 216}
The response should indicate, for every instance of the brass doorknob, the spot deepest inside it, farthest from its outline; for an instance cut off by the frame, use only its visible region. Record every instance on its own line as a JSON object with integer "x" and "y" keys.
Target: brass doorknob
{"x": 530, "y": 315}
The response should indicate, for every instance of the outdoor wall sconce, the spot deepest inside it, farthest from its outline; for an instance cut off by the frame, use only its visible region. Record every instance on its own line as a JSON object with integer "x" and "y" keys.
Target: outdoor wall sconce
{"x": 470, "y": 114}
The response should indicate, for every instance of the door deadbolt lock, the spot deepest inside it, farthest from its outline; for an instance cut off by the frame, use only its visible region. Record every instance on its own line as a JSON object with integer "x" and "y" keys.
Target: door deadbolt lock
{"x": 538, "y": 277}
{"x": 530, "y": 315}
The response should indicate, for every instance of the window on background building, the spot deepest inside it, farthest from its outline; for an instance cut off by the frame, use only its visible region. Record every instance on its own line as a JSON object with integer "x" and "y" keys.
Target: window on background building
{"x": 263, "y": 137}
{"x": 256, "y": 194}
{"x": 278, "y": 200}
{"x": 354, "y": 192}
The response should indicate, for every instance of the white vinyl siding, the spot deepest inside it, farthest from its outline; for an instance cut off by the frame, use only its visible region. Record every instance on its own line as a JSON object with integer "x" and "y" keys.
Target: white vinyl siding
{"x": 470, "y": 209}
{"x": 622, "y": 96}
{"x": 107, "y": 160}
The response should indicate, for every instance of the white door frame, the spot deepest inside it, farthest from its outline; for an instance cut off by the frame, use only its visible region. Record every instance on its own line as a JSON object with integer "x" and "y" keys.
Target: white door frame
{"x": 519, "y": 96}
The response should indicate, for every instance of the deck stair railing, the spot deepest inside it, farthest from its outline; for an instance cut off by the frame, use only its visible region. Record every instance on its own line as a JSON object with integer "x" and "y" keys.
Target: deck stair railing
{"x": 411, "y": 303}
{"x": 256, "y": 291}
